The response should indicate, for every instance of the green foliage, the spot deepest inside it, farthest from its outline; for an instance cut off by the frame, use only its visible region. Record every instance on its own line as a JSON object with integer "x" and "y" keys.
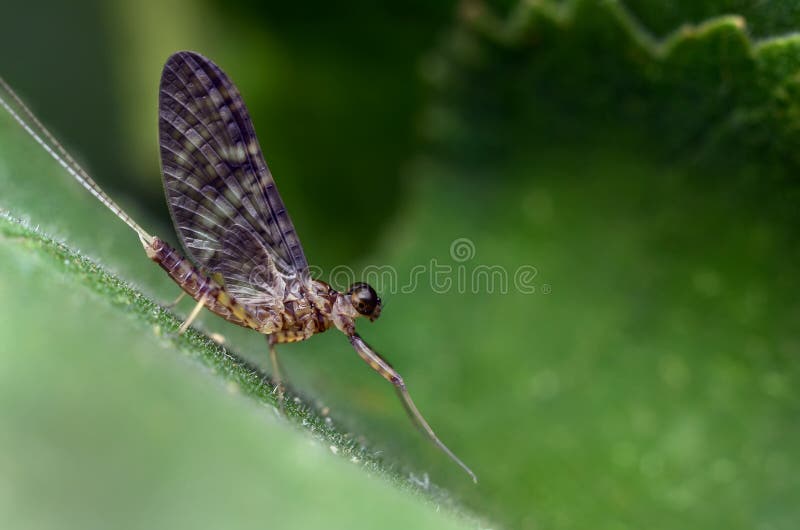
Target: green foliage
{"x": 652, "y": 182}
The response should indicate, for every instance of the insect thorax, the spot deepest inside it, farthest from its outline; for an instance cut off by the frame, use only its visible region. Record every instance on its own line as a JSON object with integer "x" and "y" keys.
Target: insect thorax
{"x": 306, "y": 308}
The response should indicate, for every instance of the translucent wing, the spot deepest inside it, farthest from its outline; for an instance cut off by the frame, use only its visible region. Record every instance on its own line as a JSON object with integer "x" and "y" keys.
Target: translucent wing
{"x": 221, "y": 194}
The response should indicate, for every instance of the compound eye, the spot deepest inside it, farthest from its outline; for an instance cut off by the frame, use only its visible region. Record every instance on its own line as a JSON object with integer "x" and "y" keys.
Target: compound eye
{"x": 364, "y": 298}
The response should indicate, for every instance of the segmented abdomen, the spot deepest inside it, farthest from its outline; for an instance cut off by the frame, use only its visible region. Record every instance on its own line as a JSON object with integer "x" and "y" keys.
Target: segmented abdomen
{"x": 198, "y": 285}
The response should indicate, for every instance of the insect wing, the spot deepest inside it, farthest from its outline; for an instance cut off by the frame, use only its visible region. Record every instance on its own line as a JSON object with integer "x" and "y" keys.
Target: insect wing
{"x": 221, "y": 195}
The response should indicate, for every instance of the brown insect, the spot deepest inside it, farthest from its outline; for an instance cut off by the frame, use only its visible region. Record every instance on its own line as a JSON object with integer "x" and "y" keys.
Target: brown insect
{"x": 247, "y": 264}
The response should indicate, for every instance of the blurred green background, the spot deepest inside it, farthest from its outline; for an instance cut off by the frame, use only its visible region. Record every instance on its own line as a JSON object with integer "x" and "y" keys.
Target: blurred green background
{"x": 651, "y": 380}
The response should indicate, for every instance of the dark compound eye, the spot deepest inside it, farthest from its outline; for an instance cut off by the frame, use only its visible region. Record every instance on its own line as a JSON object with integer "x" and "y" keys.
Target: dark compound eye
{"x": 364, "y": 298}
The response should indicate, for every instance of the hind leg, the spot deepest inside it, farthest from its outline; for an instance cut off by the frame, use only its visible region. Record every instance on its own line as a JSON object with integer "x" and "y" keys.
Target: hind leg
{"x": 175, "y": 302}
{"x": 192, "y": 315}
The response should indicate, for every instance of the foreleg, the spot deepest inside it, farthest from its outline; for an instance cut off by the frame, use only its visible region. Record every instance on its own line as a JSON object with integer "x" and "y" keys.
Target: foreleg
{"x": 380, "y": 365}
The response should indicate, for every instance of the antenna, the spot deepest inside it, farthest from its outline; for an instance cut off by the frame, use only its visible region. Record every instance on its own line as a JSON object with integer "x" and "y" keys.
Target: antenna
{"x": 38, "y": 132}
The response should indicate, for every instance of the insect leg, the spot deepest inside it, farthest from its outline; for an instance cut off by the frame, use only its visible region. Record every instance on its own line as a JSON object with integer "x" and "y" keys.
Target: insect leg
{"x": 380, "y": 365}
{"x": 177, "y": 300}
{"x": 276, "y": 369}
{"x": 192, "y": 315}
{"x": 282, "y": 337}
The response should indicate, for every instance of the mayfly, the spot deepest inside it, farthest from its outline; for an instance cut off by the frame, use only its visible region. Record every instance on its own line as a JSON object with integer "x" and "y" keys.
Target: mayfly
{"x": 247, "y": 264}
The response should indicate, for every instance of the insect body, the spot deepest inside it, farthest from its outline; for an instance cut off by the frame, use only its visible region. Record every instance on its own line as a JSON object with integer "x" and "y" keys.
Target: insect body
{"x": 245, "y": 261}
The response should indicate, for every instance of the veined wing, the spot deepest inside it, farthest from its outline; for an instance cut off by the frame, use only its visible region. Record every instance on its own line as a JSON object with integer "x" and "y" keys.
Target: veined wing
{"x": 222, "y": 197}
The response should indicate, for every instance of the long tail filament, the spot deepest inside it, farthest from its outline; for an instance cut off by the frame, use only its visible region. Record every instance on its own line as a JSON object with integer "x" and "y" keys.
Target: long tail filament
{"x": 39, "y": 132}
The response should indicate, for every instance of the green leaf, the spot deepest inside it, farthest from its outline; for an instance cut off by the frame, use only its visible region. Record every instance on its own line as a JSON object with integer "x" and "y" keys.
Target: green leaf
{"x": 110, "y": 419}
